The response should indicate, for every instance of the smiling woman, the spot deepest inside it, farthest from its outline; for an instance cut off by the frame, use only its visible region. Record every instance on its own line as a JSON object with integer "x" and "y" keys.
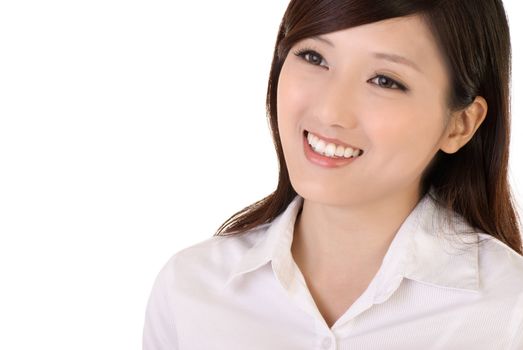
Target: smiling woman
{"x": 392, "y": 225}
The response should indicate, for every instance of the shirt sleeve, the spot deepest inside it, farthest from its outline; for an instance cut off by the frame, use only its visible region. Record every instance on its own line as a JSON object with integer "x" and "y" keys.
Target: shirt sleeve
{"x": 517, "y": 343}
{"x": 159, "y": 332}
{"x": 517, "y": 340}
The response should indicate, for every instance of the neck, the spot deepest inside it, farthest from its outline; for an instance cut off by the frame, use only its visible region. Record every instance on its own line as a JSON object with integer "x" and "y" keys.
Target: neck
{"x": 328, "y": 238}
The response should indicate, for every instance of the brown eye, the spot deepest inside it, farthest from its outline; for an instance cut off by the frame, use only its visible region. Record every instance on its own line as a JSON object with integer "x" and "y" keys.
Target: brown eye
{"x": 387, "y": 83}
{"x": 310, "y": 56}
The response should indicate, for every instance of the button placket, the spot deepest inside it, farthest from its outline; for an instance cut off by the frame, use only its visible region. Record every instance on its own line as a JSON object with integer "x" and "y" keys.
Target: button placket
{"x": 326, "y": 343}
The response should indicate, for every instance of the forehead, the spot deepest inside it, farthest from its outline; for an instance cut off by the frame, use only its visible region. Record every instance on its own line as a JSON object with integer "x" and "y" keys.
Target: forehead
{"x": 408, "y": 37}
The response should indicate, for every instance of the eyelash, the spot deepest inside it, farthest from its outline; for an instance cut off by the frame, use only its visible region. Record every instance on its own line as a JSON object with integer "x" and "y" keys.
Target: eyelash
{"x": 302, "y": 52}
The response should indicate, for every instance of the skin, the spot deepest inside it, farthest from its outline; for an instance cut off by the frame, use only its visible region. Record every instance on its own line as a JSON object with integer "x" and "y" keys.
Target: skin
{"x": 351, "y": 214}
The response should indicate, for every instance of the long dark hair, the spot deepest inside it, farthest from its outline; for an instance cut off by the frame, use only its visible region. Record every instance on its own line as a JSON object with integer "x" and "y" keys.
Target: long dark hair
{"x": 473, "y": 36}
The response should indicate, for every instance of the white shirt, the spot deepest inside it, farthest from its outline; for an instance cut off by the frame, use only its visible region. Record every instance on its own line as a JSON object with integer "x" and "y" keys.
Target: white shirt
{"x": 246, "y": 292}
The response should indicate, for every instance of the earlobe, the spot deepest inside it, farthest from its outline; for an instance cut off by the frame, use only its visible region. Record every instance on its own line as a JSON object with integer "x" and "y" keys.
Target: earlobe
{"x": 464, "y": 124}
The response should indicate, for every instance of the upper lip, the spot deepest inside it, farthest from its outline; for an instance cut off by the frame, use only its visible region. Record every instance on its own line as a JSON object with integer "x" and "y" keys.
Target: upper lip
{"x": 335, "y": 141}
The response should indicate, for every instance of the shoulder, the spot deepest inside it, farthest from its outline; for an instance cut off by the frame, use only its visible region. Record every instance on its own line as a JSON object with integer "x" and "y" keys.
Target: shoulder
{"x": 500, "y": 267}
{"x": 191, "y": 275}
{"x": 210, "y": 261}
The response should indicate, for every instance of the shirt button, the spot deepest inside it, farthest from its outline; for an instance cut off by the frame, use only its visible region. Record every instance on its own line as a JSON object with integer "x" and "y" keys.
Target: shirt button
{"x": 326, "y": 343}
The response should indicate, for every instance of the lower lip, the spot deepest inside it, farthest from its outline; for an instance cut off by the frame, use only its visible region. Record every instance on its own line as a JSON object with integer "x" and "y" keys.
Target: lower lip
{"x": 321, "y": 160}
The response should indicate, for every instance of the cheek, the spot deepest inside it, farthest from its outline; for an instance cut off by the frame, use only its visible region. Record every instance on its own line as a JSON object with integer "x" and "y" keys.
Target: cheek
{"x": 292, "y": 98}
{"x": 285, "y": 97}
{"x": 404, "y": 121}
{"x": 404, "y": 141}
{"x": 289, "y": 90}
{"x": 287, "y": 103}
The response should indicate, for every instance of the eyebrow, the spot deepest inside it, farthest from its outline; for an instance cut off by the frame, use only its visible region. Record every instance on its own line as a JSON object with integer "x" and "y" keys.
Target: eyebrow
{"x": 327, "y": 41}
{"x": 396, "y": 59}
{"x": 380, "y": 55}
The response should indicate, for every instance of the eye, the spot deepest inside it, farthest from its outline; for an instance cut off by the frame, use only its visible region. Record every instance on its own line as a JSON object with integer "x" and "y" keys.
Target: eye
{"x": 386, "y": 82}
{"x": 312, "y": 57}
{"x": 309, "y": 56}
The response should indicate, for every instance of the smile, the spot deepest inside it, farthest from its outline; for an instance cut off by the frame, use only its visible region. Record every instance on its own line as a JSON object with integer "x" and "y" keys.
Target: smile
{"x": 328, "y": 154}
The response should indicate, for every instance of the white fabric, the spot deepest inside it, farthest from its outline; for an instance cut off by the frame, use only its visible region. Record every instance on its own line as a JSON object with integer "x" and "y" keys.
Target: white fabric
{"x": 431, "y": 292}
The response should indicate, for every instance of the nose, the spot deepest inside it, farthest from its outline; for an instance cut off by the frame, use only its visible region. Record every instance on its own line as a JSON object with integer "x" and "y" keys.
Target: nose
{"x": 337, "y": 103}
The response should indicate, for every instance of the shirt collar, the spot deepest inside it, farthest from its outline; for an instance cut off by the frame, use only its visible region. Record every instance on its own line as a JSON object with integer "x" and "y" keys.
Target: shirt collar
{"x": 428, "y": 247}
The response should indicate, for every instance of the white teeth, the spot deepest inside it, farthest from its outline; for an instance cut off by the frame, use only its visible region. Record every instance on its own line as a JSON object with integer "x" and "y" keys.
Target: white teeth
{"x": 348, "y": 152}
{"x": 330, "y": 149}
{"x": 312, "y": 140}
{"x": 320, "y": 146}
{"x": 340, "y": 151}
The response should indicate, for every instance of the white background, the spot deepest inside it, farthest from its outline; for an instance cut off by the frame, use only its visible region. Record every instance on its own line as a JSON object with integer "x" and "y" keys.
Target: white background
{"x": 128, "y": 131}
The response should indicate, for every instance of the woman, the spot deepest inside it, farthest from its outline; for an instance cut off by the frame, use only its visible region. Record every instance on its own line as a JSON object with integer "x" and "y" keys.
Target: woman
{"x": 392, "y": 226}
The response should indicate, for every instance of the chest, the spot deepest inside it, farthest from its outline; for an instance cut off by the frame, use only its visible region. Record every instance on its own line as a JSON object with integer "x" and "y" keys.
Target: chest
{"x": 333, "y": 297}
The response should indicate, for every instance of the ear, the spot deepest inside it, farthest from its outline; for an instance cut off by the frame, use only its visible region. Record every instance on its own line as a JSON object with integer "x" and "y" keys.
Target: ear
{"x": 463, "y": 125}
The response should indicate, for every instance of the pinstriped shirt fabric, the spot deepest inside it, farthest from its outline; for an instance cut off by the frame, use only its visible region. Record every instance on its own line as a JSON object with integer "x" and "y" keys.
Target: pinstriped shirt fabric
{"x": 437, "y": 288}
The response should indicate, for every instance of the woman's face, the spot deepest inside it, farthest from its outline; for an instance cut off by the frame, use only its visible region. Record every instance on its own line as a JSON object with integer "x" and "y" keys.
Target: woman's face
{"x": 351, "y": 93}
